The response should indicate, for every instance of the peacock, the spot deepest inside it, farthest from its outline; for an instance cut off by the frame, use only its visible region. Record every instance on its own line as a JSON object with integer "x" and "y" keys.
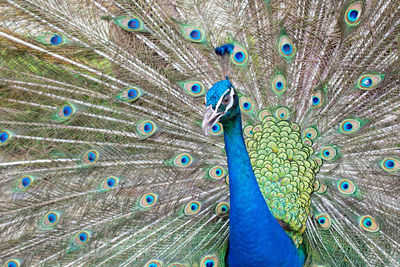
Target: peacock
{"x": 200, "y": 133}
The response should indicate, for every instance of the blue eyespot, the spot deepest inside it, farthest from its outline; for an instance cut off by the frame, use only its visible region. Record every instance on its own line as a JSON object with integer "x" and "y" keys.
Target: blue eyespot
{"x": 91, "y": 157}
{"x": 67, "y": 110}
{"x": 367, "y": 222}
{"x": 321, "y": 220}
{"x": 216, "y": 128}
{"x": 149, "y": 199}
{"x": 309, "y": 135}
{"x": 3, "y": 137}
{"x": 195, "y": 34}
{"x": 52, "y": 217}
{"x": 80, "y": 239}
{"x": 287, "y": 49}
{"x": 279, "y": 85}
{"x": 111, "y": 182}
{"x": 239, "y": 56}
{"x": 194, "y": 206}
{"x": 246, "y": 105}
{"x": 148, "y": 127}
{"x": 13, "y": 263}
{"x": 345, "y": 185}
{"x": 195, "y": 88}
{"x": 25, "y": 182}
{"x": 327, "y": 153}
{"x": 184, "y": 160}
{"x": 133, "y": 24}
{"x": 352, "y": 15}
{"x": 209, "y": 263}
{"x": 83, "y": 237}
{"x": 132, "y": 93}
{"x": 56, "y": 39}
{"x": 153, "y": 265}
{"x": 348, "y": 126}
{"x": 315, "y": 100}
{"x": 389, "y": 164}
{"x": 366, "y": 82}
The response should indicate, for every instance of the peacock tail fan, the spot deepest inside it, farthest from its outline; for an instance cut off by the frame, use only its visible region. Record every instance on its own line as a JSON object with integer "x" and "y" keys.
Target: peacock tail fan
{"x": 103, "y": 159}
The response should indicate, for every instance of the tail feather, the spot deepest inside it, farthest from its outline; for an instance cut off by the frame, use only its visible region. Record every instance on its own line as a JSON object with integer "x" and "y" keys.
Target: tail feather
{"x": 128, "y": 176}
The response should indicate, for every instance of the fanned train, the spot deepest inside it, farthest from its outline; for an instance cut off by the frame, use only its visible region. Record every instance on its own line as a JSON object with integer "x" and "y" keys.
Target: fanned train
{"x": 199, "y": 133}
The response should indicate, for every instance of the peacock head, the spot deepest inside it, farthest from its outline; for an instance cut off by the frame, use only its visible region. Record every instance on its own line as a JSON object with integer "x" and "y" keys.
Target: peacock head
{"x": 222, "y": 104}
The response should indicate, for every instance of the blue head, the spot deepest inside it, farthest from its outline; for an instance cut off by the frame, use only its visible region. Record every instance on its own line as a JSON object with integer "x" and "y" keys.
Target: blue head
{"x": 222, "y": 104}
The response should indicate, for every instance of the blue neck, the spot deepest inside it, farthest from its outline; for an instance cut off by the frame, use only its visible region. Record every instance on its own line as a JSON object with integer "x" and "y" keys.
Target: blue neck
{"x": 255, "y": 238}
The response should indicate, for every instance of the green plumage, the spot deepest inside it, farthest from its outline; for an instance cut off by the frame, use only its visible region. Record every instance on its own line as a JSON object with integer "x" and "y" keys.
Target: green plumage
{"x": 95, "y": 174}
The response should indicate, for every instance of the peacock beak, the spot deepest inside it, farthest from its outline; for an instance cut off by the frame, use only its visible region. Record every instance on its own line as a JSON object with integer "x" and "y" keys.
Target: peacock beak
{"x": 211, "y": 117}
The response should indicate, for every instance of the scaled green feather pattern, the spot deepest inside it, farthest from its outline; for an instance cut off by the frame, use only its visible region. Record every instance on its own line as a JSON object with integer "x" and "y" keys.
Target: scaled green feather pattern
{"x": 285, "y": 172}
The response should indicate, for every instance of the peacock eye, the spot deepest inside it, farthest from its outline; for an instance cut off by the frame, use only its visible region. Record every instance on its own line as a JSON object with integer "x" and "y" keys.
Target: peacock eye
{"x": 226, "y": 100}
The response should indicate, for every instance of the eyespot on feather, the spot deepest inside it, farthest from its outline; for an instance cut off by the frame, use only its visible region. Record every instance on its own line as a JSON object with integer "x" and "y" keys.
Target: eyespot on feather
{"x": 369, "y": 81}
{"x": 350, "y": 126}
{"x": 310, "y": 132}
{"x": 53, "y": 39}
{"x": 90, "y": 157}
{"x": 81, "y": 238}
{"x": 13, "y": 263}
{"x": 153, "y": 263}
{"x": 109, "y": 183}
{"x": 148, "y": 200}
{"x": 346, "y": 187}
{"x": 328, "y": 153}
{"x": 239, "y": 55}
{"x": 183, "y": 160}
{"x": 286, "y": 47}
{"x": 50, "y": 219}
{"x": 246, "y": 104}
{"x": 317, "y": 99}
{"x": 209, "y": 261}
{"x": 130, "y": 94}
{"x": 390, "y": 164}
{"x": 192, "y": 207}
{"x": 282, "y": 113}
{"x": 65, "y": 112}
{"x": 222, "y": 209}
{"x": 193, "y": 88}
{"x": 324, "y": 221}
{"x": 146, "y": 128}
{"x": 278, "y": 84}
{"x": 369, "y": 224}
{"x": 131, "y": 24}
{"x": 353, "y": 14}
{"x": 216, "y": 129}
{"x": 193, "y": 34}
{"x": 5, "y": 137}
{"x": 216, "y": 172}
{"x": 25, "y": 182}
